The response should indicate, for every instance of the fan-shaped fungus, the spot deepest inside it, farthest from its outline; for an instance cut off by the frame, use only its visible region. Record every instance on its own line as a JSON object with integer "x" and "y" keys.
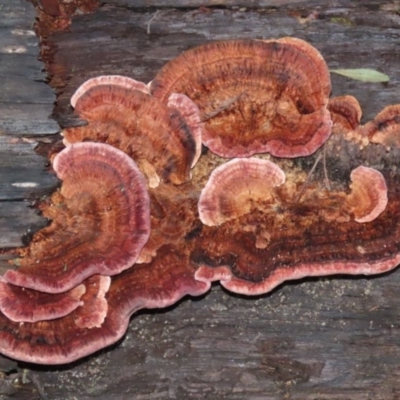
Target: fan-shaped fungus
{"x": 107, "y": 81}
{"x": 25, "y": 305}
{"x": 303, "y": 238}
{"x": 100, "y": 221}
{"x": 191, "y": 113}
{"x": 234, "y": 187}
{"x": 154, "y": 135}
{"x": 345, "y": 113}
{"x": 385, "y": 127}
{"x": 368, "y": 197}
{"x": 254, "y": 96}
{"x": 63, "y": 340}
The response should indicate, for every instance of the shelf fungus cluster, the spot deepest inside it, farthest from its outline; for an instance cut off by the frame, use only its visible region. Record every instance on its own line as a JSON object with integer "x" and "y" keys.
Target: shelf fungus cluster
{"x": 233, "y": 165}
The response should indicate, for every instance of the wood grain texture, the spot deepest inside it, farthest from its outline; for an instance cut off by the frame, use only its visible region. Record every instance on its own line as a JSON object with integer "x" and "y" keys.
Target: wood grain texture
{"x": 22, "y": 75}
{"x": 26, "y": 105}
{"x": 331, "y": 338}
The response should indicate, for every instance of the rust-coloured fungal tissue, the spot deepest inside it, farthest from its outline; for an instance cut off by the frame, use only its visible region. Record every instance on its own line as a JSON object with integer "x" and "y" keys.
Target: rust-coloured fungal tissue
{"x": 385, "y": 128}
{"x": 101, "y": 221}
{"x": 107, "y": 81}
{"x": 123, "y": 114}
{"x": 234, "y": 186}
{"x": 368, "y": 197}
{"x": 104, "y": 316}
{"x": 254, "y": 96}
{"x": 250, "y": 223}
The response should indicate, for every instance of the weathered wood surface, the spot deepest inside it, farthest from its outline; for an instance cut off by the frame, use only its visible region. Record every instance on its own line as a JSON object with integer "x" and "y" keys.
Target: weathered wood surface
{"x": 26, "y": 105}
{"x": 332, "y": 338}
{"x": 26, "y": 102}
{"x": 257, "y": 4}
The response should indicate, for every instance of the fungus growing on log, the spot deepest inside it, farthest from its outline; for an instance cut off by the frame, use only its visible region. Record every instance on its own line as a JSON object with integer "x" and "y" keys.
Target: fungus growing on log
{"x": 100, "y": 221}
{"x": 26, "y": 305}
{"x": 346, "y": 116}
{"x": 345, "y": 113}
{"x": 158, "y": 284}
{"x": 235, "y": 187}
{"x": 94, "y": 304}
{"x": 254, "y": 96}
{"x": 107, "y": 81}
{"x": 368, "y": 197}
{"x": 385, "y": 127}
{"x": 328, "y": 232}
{"x": 259, "y": 233}
{"x": 174, "y": 216}
{"x": 191, "y": 113}
{"x": 155, "y": 136}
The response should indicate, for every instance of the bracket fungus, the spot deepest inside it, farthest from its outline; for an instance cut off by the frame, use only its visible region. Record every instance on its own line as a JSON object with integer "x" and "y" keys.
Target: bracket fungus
{"x": 125, "y": 116}
{"x": 368, "y": 197}
{"x": 20, "y": 304}
{"x": 249, "y": 223}
{"x": 345, "y": 112}
{"x": 107, "y": 81}
{"x": 100, "y": 217}
{"x": 234, "y": 186}
{"x": 385, "y": 127}
{"x": 78, "y": 334}
{"x": 327, "y": 232}
{"x": 254, "y": 96}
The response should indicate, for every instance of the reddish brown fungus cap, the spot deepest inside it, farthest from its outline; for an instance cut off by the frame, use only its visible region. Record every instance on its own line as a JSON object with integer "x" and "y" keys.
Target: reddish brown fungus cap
{"x": 94, "y": 299}
{"x": 157, "y": 137}
{"x": 234, "y": 187}
{"x": 345, "y": 112}
{"x": 368, "y": 197}
{"x": 100, "y": 221}
{"x": 323, "y": 233}
{"x": 254, "y": 96}
{"x": 26, "y": 305}
{"x": 385, "y": 127}
{"x": 104, "y": 316}
{"x": 107, "y": 80}
{"x": 191, "y": 114}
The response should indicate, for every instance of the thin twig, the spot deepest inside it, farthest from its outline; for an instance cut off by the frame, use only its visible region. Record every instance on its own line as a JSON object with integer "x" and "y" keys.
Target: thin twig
{"x": 224, "y": 105}
{"x": 38, "y": 386}
{"x": 150, "y": 21}
{"x": 307, "y": 181}
{"x": 326, "y": 178}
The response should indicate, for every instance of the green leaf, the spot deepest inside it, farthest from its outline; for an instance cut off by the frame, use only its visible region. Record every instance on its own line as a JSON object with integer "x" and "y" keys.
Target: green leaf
{"x": 362, "y": 74}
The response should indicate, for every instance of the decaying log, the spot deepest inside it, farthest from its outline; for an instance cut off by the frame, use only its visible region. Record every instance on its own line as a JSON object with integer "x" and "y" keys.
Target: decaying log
{"x": 331, "y": 338}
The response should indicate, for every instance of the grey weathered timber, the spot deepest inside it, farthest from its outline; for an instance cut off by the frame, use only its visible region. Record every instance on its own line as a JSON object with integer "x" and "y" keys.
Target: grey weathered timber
{"x": 21, "y": 73}
{"x": 23, "y": 173}
{"x": 332, "y": 338}
{"x": 26, "y": 105}
{"x": 13, "y": 228}
{"x": 299, "y": 4}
